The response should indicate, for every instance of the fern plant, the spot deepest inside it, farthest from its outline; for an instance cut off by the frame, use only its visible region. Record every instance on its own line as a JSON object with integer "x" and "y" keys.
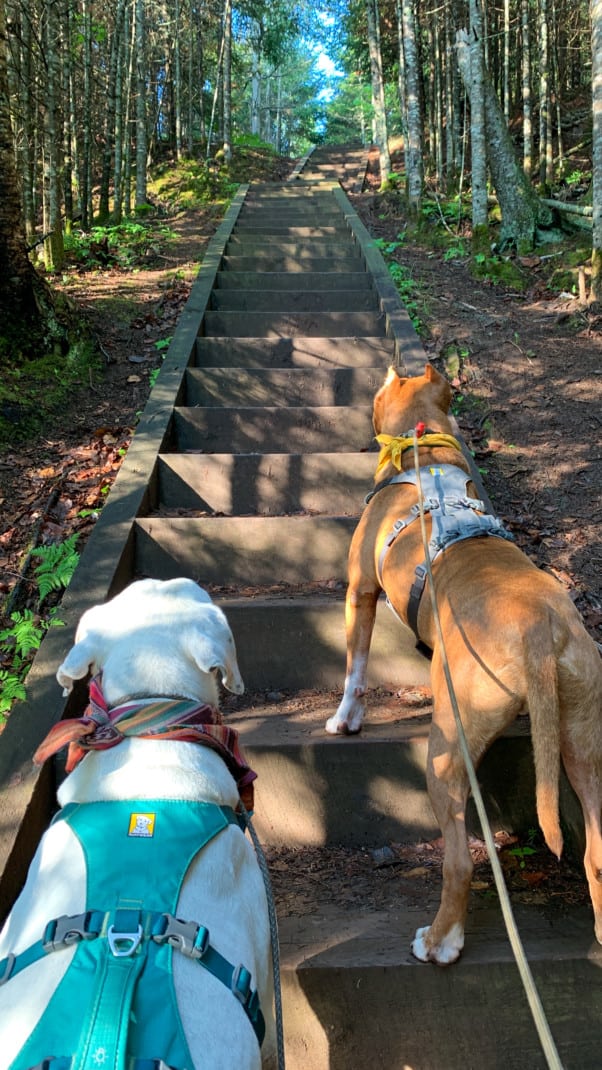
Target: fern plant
{"x": 57, "y": 565}
{"x": 18, "y": 643}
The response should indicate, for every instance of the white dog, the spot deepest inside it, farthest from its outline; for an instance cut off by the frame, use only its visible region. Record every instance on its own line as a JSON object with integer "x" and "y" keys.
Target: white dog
{"x": 123, "y": 868}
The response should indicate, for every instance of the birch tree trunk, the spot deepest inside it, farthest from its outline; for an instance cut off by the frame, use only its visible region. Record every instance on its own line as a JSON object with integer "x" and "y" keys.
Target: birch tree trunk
{"x": 475, "y": 69}
{"x": 596, "y": 32}
{"x": 545, "y": 117}
{"x": 255, "y": 93}
{"x": 110, "y": 112}
{"x": 85, "y": 181}
{"x": 414, "y": 170}
{"x": 378, "y": 92}
{"x": 27, "y": 162}
{"x": 506, "y": 82}
{"x": 227, "y": 83}
{"x": 177, "y": 75}
{"x": 67, "y": 139}
{"x": 526, "y": 84}
{"x": 521, "y": 209}
{"x": 141, "y": 128}
{"x": 54, "y": 251}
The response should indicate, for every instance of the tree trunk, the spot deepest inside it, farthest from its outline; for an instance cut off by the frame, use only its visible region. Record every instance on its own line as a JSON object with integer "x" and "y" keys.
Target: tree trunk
{"x": 378, "y": 91}
{"x": 177, "y": 82}
{"x": 526, "y": 83}
{"x": 596, "y": 24}
{"x": 28, "y": 325}
{"x": 414, "y": 169}
{"x": 54, "y": 252}
{"x": 85, "y": 181}
{"x": 475, "y": 87}
{"x": 110, "y": 113}
{"x": 27, "y": 161}
{"x": 545, "y": 118}
{"x": 227, "y": 83}
{"x": 520, "y": 207}
{"x": 141, "y": 130}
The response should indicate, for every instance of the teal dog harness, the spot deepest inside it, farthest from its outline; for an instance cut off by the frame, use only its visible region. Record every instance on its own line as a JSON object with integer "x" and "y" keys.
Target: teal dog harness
{"x": 455, "y": 516}
{"x": 115, "y": 1008}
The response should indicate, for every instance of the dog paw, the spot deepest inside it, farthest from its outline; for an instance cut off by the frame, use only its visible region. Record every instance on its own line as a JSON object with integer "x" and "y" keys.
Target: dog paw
{"x": 336, "y": 727}
{"x": 443, "y": 954}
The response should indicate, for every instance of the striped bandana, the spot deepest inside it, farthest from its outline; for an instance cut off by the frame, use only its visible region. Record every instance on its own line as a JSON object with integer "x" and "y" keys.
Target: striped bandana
{"x": 162, "y": 718}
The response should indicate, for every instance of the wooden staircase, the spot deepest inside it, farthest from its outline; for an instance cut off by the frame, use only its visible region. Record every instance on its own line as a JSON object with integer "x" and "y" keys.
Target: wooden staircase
{"x": 248, "y": 474}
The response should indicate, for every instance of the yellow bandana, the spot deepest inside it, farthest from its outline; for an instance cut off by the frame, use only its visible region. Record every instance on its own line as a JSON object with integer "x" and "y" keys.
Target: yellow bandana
{"x": 392, "y": 447}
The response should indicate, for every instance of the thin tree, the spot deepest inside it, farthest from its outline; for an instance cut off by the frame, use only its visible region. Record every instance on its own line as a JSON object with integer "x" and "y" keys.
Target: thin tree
{"x": 381, "y": 133}
{"x": 475, "y": 85}
{"x": 29, "y": 325}
{"x": 413, "y": 156}
{"x": 596, "y": 35}
{"x": 227, "y": 84}
{"x": 526, "y": 87}
{"x": 141, "y": 130}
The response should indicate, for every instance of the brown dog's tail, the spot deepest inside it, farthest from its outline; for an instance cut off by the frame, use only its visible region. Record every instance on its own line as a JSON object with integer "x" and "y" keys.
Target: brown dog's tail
{"x": 544, "y": 709}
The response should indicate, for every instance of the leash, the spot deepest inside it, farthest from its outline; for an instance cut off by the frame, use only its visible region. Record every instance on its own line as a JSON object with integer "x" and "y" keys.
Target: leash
{"x": 263, "y": 866}
{"x": 541, "y": 1023}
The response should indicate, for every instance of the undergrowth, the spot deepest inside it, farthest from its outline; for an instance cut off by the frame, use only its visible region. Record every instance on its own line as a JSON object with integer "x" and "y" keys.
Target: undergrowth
{"x": 25, "y": 629}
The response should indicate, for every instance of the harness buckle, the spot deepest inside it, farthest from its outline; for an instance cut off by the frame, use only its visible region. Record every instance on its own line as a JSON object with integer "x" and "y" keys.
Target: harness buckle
{"x": 67, "y": 930}
{"x": 8, "y": 968}
{"x": 188, "y": 937}
{"x": 241, "y": 984}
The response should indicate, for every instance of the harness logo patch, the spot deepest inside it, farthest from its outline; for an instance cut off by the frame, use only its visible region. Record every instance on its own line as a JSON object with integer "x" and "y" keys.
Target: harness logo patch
{"x": 142, "y": 825}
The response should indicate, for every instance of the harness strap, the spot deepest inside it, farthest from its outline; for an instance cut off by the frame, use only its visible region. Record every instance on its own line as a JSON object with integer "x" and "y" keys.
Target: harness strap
{"x": 65, "y": 1062}
{"x": 125, "y": 931}
{"x": 456, "y": 517}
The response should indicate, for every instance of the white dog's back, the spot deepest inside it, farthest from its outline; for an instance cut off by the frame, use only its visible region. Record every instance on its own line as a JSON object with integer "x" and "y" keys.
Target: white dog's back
{"x": 154, "y": 639}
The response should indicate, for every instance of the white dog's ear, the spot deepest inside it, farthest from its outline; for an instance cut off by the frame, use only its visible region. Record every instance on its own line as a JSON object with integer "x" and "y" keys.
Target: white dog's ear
{"x": 218, "y": 653}
{"x": 79, "y": 661}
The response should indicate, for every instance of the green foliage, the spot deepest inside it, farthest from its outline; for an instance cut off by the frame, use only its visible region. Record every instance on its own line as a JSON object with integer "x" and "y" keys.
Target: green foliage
{"x": 32, "y": 389}
{"x": 498, "y": 270}
{"x": 57, "y": 565}
{"x": 17, "y": 645}
{"x": 192, "y": 184}
{"x": 20, "y": 640}
{"x": 123, "y": 245}
{"x": 407, "y": 290}
{"x": 401, "y": 275}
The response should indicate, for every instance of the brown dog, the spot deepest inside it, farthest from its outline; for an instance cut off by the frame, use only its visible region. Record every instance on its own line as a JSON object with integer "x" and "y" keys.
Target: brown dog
{"x": 513, "y": 638}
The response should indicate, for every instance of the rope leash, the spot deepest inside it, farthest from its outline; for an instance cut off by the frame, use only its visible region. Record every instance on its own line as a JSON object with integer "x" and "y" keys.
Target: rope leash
{"x": 263, "y": 866}
{"x": 541, "y": 1023}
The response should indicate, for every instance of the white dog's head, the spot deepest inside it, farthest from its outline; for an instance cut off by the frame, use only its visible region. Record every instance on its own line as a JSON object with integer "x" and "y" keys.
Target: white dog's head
{"x": 156, "y": 638}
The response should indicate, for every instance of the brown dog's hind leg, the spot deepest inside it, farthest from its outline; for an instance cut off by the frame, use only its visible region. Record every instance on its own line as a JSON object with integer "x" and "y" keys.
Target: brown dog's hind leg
{"x": 448, "y": 787}
{"x": 360, "y": 611}
{"x": 585, "y": 780}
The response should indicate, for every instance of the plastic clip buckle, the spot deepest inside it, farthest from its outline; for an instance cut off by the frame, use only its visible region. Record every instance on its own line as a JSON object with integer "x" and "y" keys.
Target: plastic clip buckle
{"x": 241, "y": 984}
{"x": 188, "y": 937}
{"x": 67, "y": 930}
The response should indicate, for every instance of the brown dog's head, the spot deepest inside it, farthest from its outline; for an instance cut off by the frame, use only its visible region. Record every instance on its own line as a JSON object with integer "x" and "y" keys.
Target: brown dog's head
{"x": 401, "y": 402}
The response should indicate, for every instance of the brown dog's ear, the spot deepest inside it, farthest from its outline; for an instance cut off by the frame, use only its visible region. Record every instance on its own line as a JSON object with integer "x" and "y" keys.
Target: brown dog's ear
{"x": 393, "y": 382}
{"x": 443, "y": 391}
{"x": 433, "y": 375}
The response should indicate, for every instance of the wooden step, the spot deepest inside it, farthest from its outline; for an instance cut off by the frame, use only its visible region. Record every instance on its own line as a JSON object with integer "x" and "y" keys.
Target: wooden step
{"x": 291, "y": 324}
{"x": 294, "y": 352}
{"x": 265, "y": 484}
{"x": 267, "y": 429}
{"x": 281, "y": 386}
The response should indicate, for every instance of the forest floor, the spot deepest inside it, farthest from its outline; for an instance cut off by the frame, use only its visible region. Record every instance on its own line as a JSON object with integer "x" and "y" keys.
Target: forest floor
{"x": 527, "y": 373}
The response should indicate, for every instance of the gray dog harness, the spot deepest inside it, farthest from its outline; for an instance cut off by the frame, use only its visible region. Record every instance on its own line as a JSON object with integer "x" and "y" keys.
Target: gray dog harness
{"x": 455, "y": 516}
